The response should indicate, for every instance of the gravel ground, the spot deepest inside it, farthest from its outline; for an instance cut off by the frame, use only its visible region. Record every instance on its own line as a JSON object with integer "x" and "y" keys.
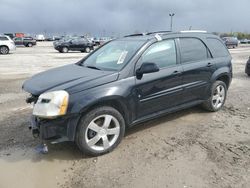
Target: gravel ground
{"x": 190, "y": 148}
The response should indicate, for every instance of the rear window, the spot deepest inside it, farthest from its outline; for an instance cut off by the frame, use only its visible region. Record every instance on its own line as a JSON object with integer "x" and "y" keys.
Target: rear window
{"x": 3, "y": 38}
{"x": 192, "y": 50}
{"x": 217, "y": 48}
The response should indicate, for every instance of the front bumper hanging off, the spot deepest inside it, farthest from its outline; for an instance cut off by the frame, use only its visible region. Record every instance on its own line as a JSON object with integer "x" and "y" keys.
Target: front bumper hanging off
{"x": 55, "y": 130}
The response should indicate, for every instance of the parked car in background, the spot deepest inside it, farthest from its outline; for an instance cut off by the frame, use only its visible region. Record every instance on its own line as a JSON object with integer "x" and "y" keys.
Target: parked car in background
{"x": 11, "y": 35}
{"x": 125, "y": 82}
{"x": 247, "y": 69}
{"x": 231, "y": 42}
{"x": 100, "y": 41}
{"x": 6, "y": 44}
{"x": 73, "y": 44}
{"x": 245, "y": 41}
{"x": 25, "y": 41}
{"x": 40, "y": 37}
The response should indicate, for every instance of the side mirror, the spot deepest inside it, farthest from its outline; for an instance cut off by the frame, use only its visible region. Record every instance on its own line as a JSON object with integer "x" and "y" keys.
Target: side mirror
{"x": 146, "y": 68}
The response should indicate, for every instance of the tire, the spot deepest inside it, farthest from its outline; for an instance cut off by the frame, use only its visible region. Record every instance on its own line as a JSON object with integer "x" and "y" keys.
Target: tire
{"x": 217, "y": 97}
{"x": 87, "y": 49}
{"x": 248, "y": 74}
{"x": 29, "y": 45}
{"x": 65, "y": 50}
{"x": 90, "y": 133}
{"x": 4, "y": 50}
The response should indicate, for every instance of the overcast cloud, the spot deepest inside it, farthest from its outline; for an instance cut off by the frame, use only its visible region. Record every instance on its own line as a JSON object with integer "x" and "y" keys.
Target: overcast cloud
{"x": 116, "y": 17}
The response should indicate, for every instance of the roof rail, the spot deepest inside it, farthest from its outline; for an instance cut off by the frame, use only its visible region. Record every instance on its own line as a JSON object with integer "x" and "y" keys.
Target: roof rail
{"x": 194, "y": 31}
{"x": 158, "y": 32}
{"x": 134, "y": 35}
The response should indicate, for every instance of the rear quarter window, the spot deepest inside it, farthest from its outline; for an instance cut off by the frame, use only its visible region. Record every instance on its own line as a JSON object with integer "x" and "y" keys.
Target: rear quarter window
{"x": 3, "y": 38}
{"x": 217, "y": 48}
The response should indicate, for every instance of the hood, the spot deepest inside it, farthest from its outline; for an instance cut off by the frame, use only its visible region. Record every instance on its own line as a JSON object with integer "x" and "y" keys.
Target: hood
{"x": 72, "y": 78}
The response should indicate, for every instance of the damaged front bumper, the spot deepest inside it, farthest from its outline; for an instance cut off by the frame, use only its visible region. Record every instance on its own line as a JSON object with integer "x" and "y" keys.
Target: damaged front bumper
{"x": 54, "y": 130}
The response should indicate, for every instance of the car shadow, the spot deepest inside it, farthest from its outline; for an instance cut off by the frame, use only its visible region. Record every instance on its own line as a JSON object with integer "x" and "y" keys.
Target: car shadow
{"x": 163, "y": 119}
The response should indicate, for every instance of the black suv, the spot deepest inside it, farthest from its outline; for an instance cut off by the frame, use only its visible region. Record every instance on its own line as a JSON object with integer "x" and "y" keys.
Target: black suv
{"x": 25, "y": 41}
{"x": 125, "y": 82}
{"x": 74, "y": 44}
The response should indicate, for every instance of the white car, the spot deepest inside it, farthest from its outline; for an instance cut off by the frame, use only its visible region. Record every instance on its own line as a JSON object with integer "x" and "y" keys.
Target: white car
{"x": 6, "y": 44}
{"x": 40, "y": 37}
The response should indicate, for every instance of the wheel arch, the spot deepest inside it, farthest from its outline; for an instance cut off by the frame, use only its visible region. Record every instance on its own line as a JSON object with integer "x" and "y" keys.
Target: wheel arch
{"x": 223, "y": 74}
{"x": 224, "y": 78}
{"x": 117, "y": 103}
{"x": 3, "y": 45}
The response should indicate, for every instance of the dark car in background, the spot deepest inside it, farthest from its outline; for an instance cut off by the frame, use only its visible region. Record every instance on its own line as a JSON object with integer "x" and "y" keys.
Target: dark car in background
{"x": 125, "y": 82}
{"x": 231, "y": 42}
{"x": 245, "y": 41}
{"x": 24, "y": 41}
{"x": 73, "y": 44}
{"x": 247, "y": 69}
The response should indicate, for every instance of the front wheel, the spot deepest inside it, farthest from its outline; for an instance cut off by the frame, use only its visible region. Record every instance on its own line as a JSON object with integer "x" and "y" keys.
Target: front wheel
{"x": 217, "y": 97}
{"x": 4, "y": 50}
{"x": 30, "y": 45}
{"x": 100, "y": 131}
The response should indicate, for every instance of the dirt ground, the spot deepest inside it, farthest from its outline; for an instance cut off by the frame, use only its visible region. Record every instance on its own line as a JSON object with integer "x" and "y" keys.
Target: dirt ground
{"x": 191, "y": 148}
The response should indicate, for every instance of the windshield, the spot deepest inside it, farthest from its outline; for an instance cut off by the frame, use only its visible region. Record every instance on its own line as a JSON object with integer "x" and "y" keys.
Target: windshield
{"x": 113, "y": 56}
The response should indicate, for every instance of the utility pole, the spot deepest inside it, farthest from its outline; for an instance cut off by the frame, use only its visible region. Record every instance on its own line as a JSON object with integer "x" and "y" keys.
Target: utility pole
{"x": 171, "y": 23}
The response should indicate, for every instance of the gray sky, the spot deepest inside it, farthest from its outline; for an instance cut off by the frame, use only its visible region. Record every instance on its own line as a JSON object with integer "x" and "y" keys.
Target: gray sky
{"x": 121, "y": 16}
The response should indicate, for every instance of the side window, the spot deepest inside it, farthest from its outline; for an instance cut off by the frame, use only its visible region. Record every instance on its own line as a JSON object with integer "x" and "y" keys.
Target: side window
{"x": 82, "y": 41}
{"x": 192, "y": 50}
{"x": 75, "y": 41}
{"x": 18, "y": 39}
{"x": 162, "y": 53}
{"x": 217, "y": 48}
{"x": 3, "y": 38}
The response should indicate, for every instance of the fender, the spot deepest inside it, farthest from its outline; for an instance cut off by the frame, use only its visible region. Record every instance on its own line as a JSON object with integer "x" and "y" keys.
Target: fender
{"x": 84, "y": 101}
{"x": 223, "y": 71}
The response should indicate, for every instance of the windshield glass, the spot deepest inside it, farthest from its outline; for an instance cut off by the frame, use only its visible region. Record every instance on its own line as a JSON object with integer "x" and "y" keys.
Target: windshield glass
{"x": 113, "y": 56}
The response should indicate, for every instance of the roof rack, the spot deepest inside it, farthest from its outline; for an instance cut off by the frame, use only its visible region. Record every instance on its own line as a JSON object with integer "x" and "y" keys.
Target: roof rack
{"x": 149, "y": 33}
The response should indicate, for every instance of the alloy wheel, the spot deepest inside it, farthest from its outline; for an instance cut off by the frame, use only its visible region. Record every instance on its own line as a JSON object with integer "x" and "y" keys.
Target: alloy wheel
{"x": 4, "y": 50}
{"x": 218, "y": 97}
{"x": 102, "y": 132}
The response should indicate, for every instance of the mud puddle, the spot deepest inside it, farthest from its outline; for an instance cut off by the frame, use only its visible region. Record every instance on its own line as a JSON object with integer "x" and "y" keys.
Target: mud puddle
{"x": 29, "y": 169}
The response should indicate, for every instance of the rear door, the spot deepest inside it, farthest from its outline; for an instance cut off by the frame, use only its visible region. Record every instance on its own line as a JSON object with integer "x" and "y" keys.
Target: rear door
{"x": 18, "y": 41}
{"x": 198, "y": 68}
{"x": 161, "y": 90}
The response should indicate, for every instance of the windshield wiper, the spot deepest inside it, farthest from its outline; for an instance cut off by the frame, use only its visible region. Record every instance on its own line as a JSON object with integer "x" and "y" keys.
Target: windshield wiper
{"x": 93, "y": 67}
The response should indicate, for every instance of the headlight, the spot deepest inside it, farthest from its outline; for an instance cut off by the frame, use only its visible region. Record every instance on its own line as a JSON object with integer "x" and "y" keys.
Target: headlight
{"x": 51, "y": 104}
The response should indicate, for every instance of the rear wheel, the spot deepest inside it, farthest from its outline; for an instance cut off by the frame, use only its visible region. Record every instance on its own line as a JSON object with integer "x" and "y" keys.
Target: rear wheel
{"x": 100, "y": 131}
{"x": 65, "y": 50}
{"x": 4, "y": 50}
{"x": 217, "y": 98}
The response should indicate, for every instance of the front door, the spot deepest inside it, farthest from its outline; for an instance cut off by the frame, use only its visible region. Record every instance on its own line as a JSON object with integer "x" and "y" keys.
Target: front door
{"x": 162, "y": 90}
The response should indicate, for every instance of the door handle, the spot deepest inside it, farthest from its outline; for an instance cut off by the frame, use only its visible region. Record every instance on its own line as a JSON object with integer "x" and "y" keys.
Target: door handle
{"x": 209, "y": 65}
{"x": 176, "y": 72}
